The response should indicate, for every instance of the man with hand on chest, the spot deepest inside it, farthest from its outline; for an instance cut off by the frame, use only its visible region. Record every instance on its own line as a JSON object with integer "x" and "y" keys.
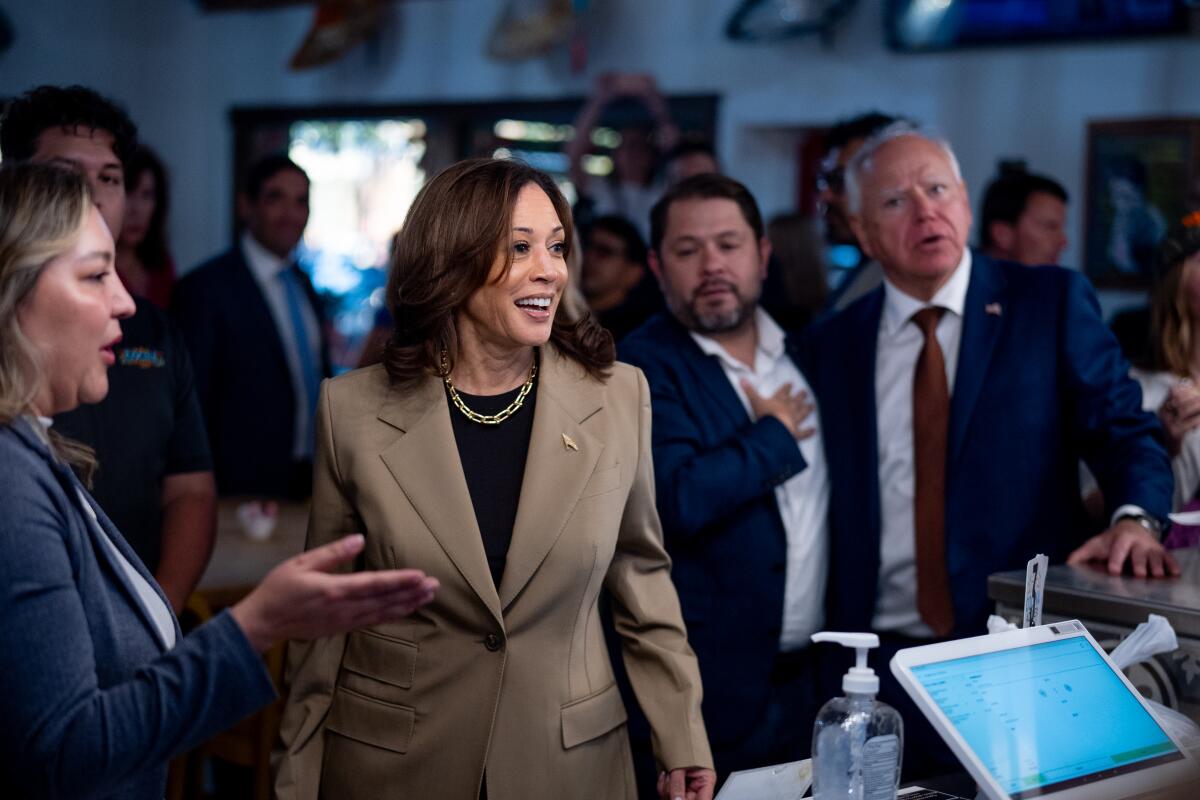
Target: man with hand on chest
{"x": 740, "y": 473}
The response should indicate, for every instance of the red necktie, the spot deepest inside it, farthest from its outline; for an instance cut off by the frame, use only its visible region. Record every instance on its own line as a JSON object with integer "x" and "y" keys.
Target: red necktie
{"x": 931, "y": 416}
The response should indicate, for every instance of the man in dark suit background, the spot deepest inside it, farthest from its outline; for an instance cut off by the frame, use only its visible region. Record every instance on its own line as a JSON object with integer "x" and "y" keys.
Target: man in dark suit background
{"x": 255, "y": 329}
{"x": 1023, "y": 217}
{"x": 957, "y": 400}
{"x": 860, "y": 273}
{"x": 740, "y": 473}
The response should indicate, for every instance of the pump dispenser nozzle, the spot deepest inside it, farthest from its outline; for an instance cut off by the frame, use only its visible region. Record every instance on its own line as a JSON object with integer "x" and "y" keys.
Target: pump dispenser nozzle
{"x": 858, "y": 742}
{"x": 861, "y": 679}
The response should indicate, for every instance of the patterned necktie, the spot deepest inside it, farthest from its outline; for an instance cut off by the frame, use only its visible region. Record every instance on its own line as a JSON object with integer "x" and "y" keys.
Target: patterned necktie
{"x": 931, "y": 416}
{"x": 308, "y": 366}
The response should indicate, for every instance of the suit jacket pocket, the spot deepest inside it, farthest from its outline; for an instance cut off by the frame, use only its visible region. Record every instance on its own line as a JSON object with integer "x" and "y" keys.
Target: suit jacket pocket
{"x": 373, "y": 722}
{"x": 388, "y": 660}
{"x": 603, "y": 480}
{"x": 594, "y": 715}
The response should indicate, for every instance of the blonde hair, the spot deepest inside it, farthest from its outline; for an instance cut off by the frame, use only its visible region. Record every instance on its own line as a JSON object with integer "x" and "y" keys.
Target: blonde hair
{"x": 43, "y": 209}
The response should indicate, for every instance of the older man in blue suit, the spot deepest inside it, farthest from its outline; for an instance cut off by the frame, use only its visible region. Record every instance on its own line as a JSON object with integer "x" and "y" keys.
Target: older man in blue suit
{"x": 957, "y": 401}
{"x": 740, "y": 473}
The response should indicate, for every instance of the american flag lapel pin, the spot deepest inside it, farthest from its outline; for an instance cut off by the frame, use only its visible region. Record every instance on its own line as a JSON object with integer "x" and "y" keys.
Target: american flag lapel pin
{"x": 993, "y": 309}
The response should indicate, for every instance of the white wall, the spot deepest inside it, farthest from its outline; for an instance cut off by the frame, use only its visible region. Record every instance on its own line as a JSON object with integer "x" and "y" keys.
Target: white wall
{"x": 179, "y": 71}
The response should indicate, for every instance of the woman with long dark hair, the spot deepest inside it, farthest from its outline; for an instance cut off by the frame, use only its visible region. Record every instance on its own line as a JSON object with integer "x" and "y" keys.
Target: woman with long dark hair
{"x": 143, "y": 259}
{"x": 499, "y": 447}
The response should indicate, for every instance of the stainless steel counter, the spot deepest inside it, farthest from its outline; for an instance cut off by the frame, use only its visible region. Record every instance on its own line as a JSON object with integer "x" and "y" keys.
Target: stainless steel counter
{"x": 1111, "y": 607}
{"x": 1090, "y": 593}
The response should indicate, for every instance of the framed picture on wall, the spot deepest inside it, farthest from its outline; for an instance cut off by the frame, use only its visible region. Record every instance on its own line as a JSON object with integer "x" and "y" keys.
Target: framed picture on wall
{"x": 1139, "y": 174}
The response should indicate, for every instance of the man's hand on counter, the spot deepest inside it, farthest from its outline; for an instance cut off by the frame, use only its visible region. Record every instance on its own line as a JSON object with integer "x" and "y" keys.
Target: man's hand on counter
{"x": 1127, "y": 541}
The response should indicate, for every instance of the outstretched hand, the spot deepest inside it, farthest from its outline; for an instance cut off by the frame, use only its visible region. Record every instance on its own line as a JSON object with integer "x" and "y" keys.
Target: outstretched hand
{"x": 302, "y": 599}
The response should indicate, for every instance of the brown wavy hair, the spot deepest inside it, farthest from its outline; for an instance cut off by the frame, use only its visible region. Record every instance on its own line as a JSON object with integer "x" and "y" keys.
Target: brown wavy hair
{"x": 457, "y": 226}
{"x": 1170, "y": 318}
{"x": 153, "y": 250}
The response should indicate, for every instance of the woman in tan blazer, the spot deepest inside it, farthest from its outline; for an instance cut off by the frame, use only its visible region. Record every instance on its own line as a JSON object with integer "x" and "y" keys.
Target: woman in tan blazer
{"x": 500, "y": 449}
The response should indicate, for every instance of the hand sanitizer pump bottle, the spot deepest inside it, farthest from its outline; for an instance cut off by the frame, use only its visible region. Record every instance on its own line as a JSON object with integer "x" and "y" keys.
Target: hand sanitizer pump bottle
{"x": 857, "y": 741}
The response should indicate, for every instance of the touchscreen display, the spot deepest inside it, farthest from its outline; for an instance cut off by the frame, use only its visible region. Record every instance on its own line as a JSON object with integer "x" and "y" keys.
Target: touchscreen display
{"x": 1046, "y": 717}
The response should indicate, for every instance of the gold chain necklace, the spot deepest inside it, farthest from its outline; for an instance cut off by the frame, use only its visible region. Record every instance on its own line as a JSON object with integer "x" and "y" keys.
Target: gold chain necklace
{"x": 488, "y": 419}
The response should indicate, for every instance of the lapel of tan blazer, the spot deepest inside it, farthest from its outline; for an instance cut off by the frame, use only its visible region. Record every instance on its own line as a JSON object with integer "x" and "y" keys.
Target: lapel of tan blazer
{"x": 425, "y": 462}
{"x": 555, "y": 473}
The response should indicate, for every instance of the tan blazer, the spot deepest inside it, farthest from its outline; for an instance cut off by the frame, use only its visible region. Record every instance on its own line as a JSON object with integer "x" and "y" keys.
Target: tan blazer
{"x": 513, "y": 683}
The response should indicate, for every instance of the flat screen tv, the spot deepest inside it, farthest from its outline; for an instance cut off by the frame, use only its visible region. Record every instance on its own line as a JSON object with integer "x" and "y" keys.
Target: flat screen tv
{"x": 928, "y": 25}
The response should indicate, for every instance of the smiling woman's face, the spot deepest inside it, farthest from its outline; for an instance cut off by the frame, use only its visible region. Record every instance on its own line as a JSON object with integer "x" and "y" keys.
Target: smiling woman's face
{"x": 72, "y": 319}
{"x": 516, "y": 309}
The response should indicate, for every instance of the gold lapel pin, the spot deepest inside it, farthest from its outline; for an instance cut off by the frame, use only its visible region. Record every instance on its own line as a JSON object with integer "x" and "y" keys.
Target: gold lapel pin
{"x": 992, "y": 308}
{"x": 569, "y": 443}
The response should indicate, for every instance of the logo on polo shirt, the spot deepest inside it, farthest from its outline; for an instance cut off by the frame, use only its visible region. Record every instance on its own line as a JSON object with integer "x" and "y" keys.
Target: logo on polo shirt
{"x": 143, "y": 357}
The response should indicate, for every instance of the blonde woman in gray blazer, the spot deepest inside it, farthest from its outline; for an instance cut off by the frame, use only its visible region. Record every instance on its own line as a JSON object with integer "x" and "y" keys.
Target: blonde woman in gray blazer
{"x": 100, "y": 687}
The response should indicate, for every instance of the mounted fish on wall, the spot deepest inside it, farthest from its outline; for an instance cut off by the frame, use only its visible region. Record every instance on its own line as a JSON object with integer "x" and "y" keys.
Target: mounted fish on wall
{"x": 338, "y": 25}
{"x": 528, "y": 29}
{"x": 774, "y": 20}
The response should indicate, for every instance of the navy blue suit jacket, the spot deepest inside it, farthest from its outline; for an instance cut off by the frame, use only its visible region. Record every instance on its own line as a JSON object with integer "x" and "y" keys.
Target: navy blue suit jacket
{"x": 242, "y": 376}
{"x": 93, "y": 706}
{"x": 716, "y": 473}
{"x": 1040, "y": 383}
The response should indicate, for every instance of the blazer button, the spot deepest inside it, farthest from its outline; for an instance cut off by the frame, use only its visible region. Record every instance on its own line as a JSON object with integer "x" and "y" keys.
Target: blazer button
{"x": 492, "y": 642}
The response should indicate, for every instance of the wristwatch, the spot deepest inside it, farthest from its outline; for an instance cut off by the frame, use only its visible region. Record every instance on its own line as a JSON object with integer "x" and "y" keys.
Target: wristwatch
{"x": 1152, "y": 525}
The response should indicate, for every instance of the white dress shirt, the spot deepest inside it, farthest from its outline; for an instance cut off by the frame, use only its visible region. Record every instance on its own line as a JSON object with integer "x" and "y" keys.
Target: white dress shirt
{"x": 266, "y": 267}
{"x": 164, "y": 622}
{"x": 160, "y": 614}
{"x": 897, "y": 349}
{"x": 804, "y": 498}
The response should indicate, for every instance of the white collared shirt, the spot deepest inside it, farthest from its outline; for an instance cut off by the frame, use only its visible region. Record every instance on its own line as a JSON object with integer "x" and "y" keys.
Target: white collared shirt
{"x": 266, "y": 267}
{"x": 156, "y": 609}
{"x": 804, "y": 498}
{"x": 898, "y": 346}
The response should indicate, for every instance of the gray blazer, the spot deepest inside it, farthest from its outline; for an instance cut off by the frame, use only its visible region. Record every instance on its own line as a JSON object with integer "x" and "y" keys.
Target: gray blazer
{"x": 92, "y": 705}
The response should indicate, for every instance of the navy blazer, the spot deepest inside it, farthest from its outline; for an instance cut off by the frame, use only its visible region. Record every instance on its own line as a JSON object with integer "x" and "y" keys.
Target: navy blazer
{"x": 1040, "y": 383}
{"x": 242, "y": 375}
{"x": 93, "y": 706}
{"x": 715, "y": 472}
